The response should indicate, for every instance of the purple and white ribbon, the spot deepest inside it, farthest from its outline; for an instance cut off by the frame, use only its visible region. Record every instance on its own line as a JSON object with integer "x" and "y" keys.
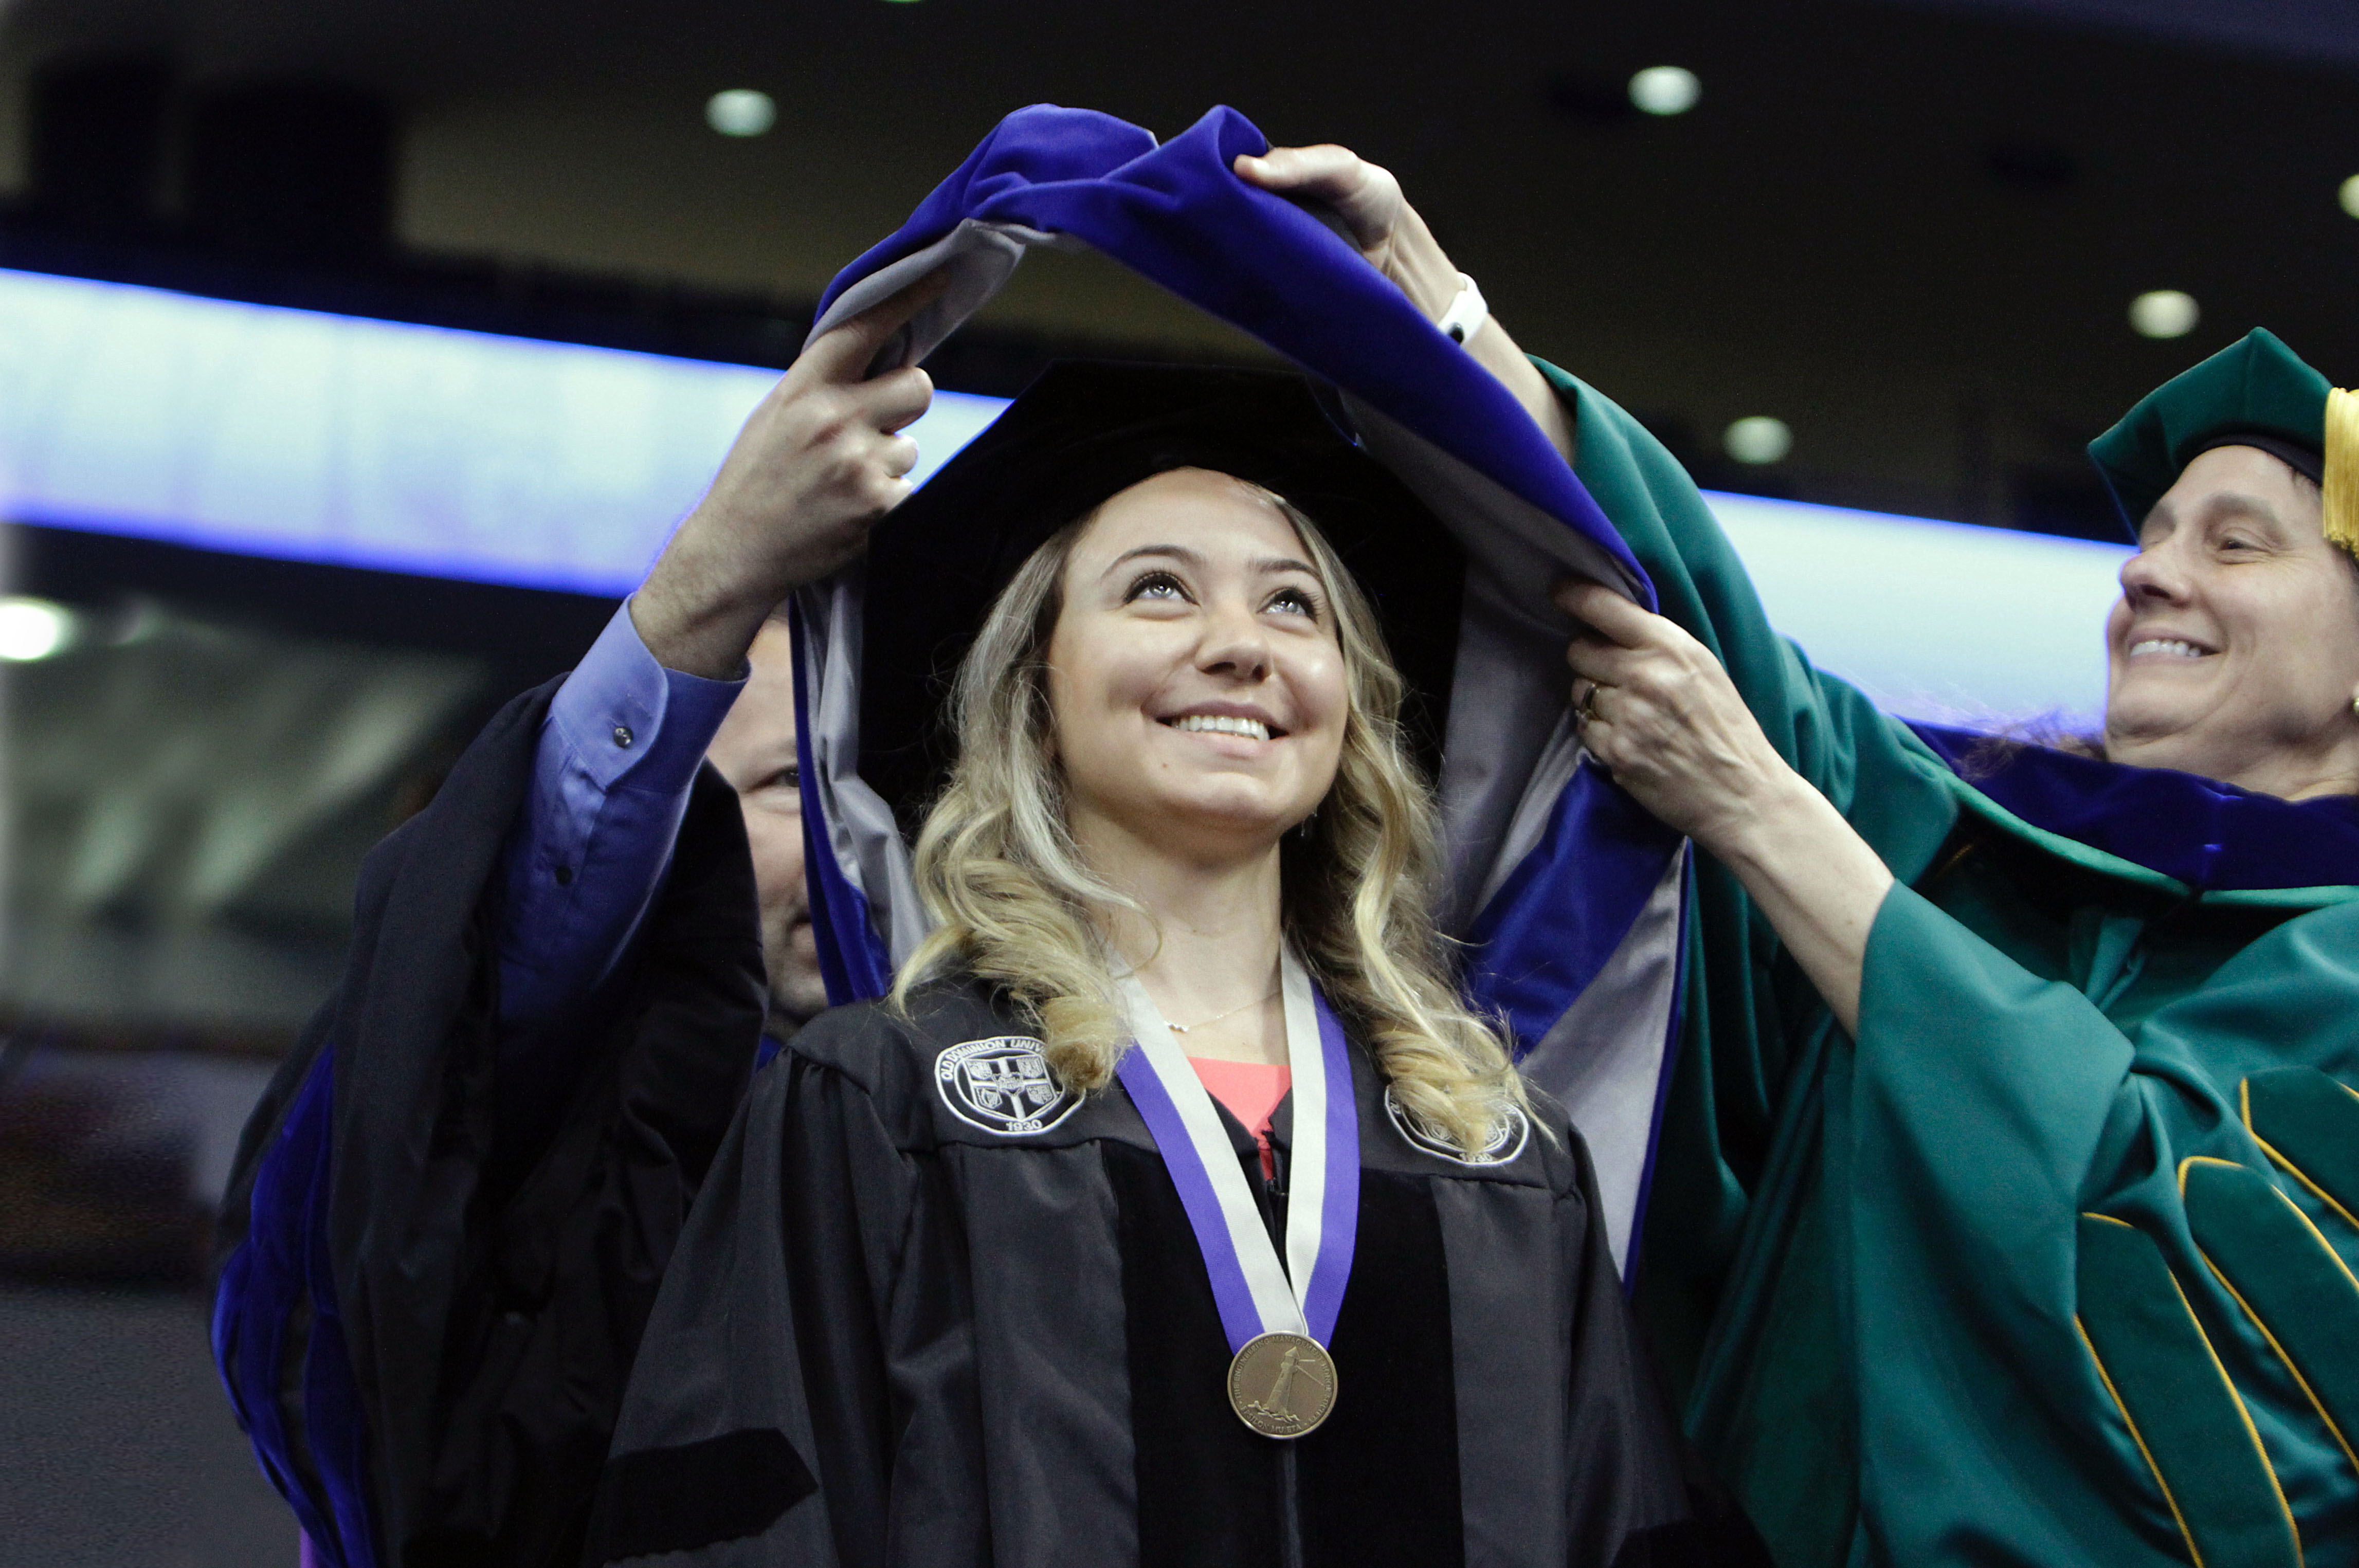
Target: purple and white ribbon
{"x": 1256, "y": 1293}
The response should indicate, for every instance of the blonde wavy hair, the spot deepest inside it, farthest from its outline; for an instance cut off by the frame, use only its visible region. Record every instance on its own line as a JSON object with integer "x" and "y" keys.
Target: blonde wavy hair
{"x": 1018, "y": 907}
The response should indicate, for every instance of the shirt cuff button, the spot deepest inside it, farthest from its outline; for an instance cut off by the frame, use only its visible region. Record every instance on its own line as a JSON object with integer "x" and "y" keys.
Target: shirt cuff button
{"x": 623, "y": 736}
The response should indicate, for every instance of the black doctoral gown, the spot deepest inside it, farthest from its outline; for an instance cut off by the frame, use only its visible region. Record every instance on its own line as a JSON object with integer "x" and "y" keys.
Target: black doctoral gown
{"x": 891, "y": 1336}
{"x": 424, "y": 1320}
{"x": 917, "y": 1320}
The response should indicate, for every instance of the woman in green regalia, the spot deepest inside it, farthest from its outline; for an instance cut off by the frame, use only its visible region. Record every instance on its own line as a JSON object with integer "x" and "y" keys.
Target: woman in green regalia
{"x": 2004, "y": 1210}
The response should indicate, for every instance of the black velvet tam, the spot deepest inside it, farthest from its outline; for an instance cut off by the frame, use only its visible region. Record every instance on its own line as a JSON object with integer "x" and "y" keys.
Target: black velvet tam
{"x": 1081, "y": 434}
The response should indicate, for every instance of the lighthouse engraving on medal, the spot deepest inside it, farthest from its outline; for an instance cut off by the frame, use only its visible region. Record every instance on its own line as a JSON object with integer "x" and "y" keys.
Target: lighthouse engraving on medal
{"x": 1282, "y": 1385}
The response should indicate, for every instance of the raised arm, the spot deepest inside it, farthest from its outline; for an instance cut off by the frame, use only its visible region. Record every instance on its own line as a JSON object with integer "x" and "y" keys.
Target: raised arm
{"x": 1397, "y": 243}
{"x": 478, "y": 1249}
{"x": 821, "y": 459}
{"x": 1702, "y": 713}
{"x": 1661, "y": 714}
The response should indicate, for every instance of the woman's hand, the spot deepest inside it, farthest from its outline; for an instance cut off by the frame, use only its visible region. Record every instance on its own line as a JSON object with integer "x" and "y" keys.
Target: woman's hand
{"x": 1660, "y": 713}
{"x": 1396, "y": 242}
{"x": 1382, "y": 223}
{"x": 1657, "y": 708}
{"x": 819, "y": 460}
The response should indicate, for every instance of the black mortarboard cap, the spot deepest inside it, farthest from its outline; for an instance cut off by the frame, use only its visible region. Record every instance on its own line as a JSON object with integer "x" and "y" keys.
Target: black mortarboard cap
{"x": 1079, "y": 433}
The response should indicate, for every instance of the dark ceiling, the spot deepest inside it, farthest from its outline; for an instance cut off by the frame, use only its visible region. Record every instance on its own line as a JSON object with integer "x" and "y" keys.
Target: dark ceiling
{"x": 2296, "y": 30}
{"x": 1912, "y": 230}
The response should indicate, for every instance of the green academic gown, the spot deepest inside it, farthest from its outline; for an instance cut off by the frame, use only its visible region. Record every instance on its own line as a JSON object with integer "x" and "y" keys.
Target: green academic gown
{"x": 2053, "y": 1264}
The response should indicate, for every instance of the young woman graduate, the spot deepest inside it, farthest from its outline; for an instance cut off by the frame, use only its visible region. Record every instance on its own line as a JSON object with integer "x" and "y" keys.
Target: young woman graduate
{"x": 1173, "y": 1209}
{"x": 2013, "y": 1154}
{"x": 978, "y": 1278}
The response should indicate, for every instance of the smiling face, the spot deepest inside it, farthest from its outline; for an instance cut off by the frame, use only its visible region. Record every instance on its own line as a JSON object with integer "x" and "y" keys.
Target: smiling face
{"x": 2233, "y": 651}
{"x": 1196, "y": 685}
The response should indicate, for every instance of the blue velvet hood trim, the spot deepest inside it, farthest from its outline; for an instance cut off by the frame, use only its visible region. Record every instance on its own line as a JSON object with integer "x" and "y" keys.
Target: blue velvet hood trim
{"x": 1177, "y": 214}
{"x": 2212, "y": 836}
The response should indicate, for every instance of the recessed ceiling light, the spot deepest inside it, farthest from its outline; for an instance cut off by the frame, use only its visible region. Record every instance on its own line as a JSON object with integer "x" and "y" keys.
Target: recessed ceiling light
{"x": 33, "y": 628}
{"x": 1665, "y": 89}
{"x": 1758, "y": 439}
{"x": 2350, "y": 195}
{"x": 741, "y": 112}
{"x": 2164, "y": 313}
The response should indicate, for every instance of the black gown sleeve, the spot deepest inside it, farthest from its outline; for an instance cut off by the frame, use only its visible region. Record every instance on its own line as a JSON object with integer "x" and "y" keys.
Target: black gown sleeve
{"x": 809, "y": 1378}
{"x": 426, "y": 1331}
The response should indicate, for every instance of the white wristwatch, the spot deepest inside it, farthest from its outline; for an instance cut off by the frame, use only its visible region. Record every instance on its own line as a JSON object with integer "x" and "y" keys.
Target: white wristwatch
{"x": 1467, "y": 313}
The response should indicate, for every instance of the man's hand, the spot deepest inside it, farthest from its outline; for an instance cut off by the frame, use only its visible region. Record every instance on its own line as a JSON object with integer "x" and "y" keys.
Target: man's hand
{"x": 819, "y": 461}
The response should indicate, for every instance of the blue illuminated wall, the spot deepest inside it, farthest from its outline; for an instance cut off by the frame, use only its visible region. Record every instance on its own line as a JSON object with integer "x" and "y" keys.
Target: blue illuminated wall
{"x": 323, "y": 437}
{"x": 1934, "y": 620}
{"x": 364, "y": 444}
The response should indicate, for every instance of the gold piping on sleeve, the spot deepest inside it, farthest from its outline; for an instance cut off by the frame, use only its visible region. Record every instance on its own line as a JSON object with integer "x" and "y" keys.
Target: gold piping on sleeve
{"x": 2238, "y": 1297}
{"x": 2252, "y": 1432}
{"x": 2244, "y": 1109}
{"x": 2138, "y": 1437}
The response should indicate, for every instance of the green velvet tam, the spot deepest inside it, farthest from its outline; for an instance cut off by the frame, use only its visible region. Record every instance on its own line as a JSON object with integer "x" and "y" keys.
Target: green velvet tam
{"x": 2255, "y": 385}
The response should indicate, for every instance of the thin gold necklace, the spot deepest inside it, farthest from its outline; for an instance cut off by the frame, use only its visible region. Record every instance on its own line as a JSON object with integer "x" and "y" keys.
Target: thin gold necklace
{"x": 1216, "y": 1018}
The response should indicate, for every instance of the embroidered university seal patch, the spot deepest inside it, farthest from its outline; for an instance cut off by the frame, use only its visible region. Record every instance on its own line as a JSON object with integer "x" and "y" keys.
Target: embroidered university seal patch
{"x": 1003, "y": 1086}
{"x": 1508, "y": 1134}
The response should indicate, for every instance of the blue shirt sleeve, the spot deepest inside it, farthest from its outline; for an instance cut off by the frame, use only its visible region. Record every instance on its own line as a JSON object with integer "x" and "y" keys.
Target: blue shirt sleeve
{"x": 618, "y": 753}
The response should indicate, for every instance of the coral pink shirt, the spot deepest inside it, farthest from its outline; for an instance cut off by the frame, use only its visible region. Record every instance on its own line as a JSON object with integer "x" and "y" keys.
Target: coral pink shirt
{"x": 1250, "y": 1091}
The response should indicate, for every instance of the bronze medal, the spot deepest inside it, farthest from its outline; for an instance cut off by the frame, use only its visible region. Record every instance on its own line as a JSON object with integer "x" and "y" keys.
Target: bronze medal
{"x": 1282, "y": 1385}
{"x": 1276, "y": 1312}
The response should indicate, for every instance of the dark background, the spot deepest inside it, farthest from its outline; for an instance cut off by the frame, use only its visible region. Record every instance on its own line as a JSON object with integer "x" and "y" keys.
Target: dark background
{"x": 1911, "y": 231}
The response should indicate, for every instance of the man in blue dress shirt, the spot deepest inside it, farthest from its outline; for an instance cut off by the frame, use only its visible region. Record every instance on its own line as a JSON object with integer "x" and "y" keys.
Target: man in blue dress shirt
{"x": 451, "y": 1211}
{"x": 586, "y": 856}
{"x": 693, "y": 667}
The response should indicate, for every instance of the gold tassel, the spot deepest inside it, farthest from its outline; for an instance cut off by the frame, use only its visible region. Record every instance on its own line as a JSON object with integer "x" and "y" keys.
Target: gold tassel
{"x": 2341, "y": 484}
